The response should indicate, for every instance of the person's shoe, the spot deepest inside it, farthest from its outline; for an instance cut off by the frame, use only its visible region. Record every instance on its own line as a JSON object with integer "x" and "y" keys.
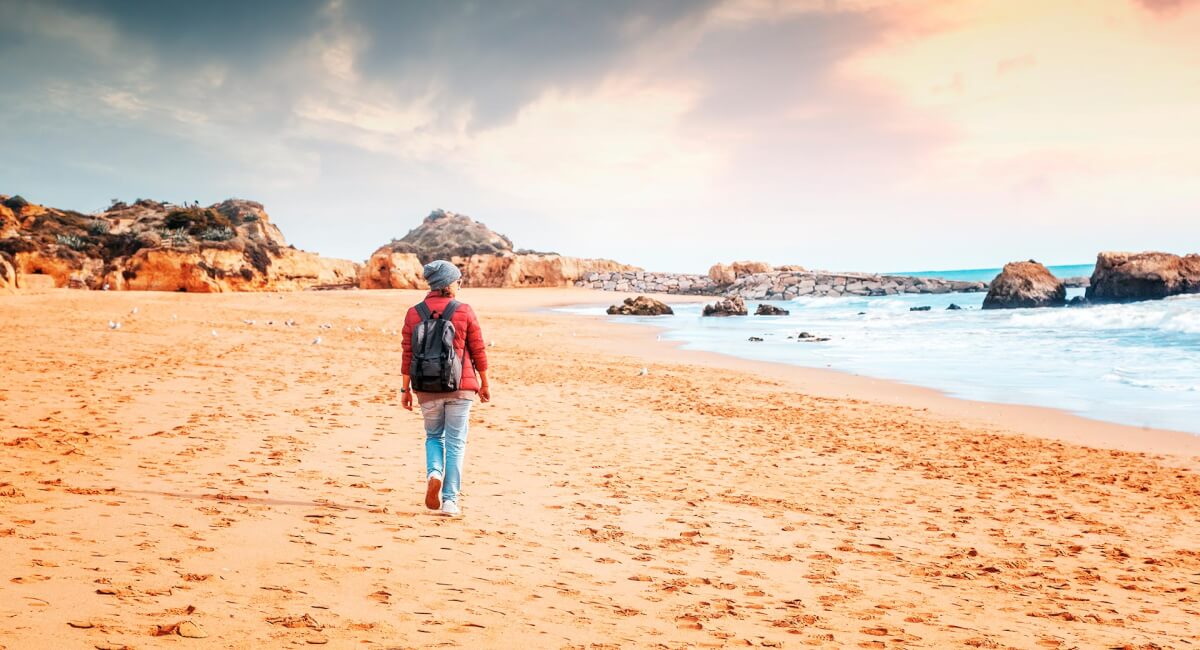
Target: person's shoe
{"x": 433, "y": 491}
{"x": 450, "y": 509}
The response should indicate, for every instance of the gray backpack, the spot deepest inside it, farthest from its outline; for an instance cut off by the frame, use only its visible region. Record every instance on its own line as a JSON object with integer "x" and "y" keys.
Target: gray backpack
{"x": 435, "y": 367}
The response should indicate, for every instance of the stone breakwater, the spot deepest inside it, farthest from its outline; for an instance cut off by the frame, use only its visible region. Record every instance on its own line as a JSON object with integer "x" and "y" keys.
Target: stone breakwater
{"x": 776, "y": 285}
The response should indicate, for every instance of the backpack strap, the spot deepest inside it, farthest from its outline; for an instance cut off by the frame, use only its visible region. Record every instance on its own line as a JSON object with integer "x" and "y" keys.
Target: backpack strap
{"x": 448, "y": 312}
{"x": 423, "y": 311}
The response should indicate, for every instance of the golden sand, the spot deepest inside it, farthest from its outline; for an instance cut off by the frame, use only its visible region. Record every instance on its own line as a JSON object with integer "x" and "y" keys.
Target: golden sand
{"x": 251, "y": 489}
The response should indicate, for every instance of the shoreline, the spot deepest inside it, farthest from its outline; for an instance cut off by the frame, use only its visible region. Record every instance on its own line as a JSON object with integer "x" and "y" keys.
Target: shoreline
{"x": 1022, "y": 419}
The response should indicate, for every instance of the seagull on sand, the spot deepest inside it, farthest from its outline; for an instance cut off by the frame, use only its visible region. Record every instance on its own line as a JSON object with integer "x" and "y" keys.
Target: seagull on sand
{"x": 247, "y": 321}
{"x": 112, "y": 325}
{"x": 134, "y": 310}
{"x": 317, "y": 341}
{"x": 214, "y": 333}
{"x": 643, "y": 372}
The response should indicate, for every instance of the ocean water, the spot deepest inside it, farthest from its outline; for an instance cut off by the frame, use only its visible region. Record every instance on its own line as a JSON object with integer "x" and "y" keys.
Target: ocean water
{"x": 1136, "y": 364}
{"x": 987, "y": 275}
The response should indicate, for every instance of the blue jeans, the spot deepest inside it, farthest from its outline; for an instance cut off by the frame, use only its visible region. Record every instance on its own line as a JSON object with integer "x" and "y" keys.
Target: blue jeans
{"x": 446, "y": 441}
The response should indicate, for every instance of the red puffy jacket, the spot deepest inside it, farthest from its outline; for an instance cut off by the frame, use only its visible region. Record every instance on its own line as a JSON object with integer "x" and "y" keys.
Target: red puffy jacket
{"x": 467, "y": 337}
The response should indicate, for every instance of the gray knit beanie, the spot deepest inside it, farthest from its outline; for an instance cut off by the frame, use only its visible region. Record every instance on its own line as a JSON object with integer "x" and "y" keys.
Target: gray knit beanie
{"x": 441, "y": 274}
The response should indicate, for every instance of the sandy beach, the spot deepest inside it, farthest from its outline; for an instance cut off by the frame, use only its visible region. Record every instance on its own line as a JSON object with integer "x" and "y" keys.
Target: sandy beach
{"x": 205, "y": 476}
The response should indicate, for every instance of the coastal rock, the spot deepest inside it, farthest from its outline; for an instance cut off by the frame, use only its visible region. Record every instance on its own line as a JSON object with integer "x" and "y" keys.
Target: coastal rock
{"x": 8, "y": 275}
{"x": 531, "y": 269}
{"x": 9, "y": 224}
{"x": 721, "y": 274}
{"x": 729, "y": 273}
{"x": 770, "y": 310}
{"x": 390, "y": 270}
{"x": 444, "y": 235}
{"x": 921, "y": 308}
{"x": 953, "y": 307}
{"x": 212, "y": 270}
{"x": 734, "y": 306}
{"x": 486, "y": 259}
{"x": 149, "y": 245}
{"x": 1123, "y": 277}
{"x": 641, "y": 306}
{"x": 1025, "y": 284}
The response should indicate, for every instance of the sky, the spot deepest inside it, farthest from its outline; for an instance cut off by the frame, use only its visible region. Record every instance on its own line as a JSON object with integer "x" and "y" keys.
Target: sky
{"x": 871, "y": 135}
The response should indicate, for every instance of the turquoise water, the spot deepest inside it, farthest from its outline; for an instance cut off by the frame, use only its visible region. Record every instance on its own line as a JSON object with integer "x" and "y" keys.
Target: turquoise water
{"x": 1136, "y": 364}
{"x": 987, "y": 275}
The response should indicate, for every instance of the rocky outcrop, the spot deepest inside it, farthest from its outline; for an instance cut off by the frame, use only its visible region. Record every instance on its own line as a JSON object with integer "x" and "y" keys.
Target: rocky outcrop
{"x": 729, "y": 273}
{"x": 729, "y": 307}
{"x": 8, "y": 274}
{"x": 390, "y": 270}
{"x": 641, "y": 306}
{"x": 1123, "y": 277}
{"x": 485, "y": 258}
{"x": 148, "y": 245}
{"x": 530, "y": 269}
{"x": 444, "y": 235}
{"x": 770, "y": 310}
{"x": 1025, "y": 284}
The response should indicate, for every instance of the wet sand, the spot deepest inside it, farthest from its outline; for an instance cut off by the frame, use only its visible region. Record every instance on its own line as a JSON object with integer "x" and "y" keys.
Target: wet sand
{"x": 263, "y": 491}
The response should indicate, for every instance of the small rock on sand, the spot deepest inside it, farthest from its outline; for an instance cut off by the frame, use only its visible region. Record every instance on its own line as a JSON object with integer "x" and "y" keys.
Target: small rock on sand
{"x": 190, "y": 630}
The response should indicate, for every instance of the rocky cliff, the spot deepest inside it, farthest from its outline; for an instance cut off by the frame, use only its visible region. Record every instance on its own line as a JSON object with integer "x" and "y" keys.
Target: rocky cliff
{"x": 1025, "y": 284}
{"x": 486, "y": 258}
{"x": 1121, "y": 277}
{"x": 148, "y": 245}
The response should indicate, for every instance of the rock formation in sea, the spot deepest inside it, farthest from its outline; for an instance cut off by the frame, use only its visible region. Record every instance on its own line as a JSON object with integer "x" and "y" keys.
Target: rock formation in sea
{"x": 148, "y": 245}
{"x": 770, "y": 310}
{"x": 1025, "y": 284}
{"x": 641, "y": 306}
{"x": 734, "y": 306}
{"x": 486, "y": 258}
{"x": 1123, "y": 277}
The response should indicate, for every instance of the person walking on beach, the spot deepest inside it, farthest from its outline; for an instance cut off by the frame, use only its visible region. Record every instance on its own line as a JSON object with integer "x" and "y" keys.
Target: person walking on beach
{"x": 445, "y": 365}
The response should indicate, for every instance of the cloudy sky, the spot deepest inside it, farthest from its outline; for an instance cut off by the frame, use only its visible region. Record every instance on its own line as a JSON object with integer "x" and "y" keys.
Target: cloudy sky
{"x": 844, "y": 134}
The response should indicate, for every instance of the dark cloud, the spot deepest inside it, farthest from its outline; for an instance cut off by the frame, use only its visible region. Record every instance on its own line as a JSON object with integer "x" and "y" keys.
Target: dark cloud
{"x": 233, "y": 31}
{"x": 497, "y": 56}
{"x": 489, "y": 57}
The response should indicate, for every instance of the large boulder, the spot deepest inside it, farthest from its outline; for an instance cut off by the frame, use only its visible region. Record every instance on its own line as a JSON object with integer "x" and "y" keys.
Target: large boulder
{"x": 641, "y": 306}
{"x": 728, "y": 307}
{"x": 729, "y": 273}
{"x": 1025, "y": 284}
{"x": 1121, "y": 277}
{"x": 770, "y": 310}
{"x": 387, "y": 269}
{"x": 149, "y": 245}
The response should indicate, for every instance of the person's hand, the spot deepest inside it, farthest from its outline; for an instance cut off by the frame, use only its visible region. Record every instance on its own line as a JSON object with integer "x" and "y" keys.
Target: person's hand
{"x": 485, "y": 393}
{"x": 406, "y": 399}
